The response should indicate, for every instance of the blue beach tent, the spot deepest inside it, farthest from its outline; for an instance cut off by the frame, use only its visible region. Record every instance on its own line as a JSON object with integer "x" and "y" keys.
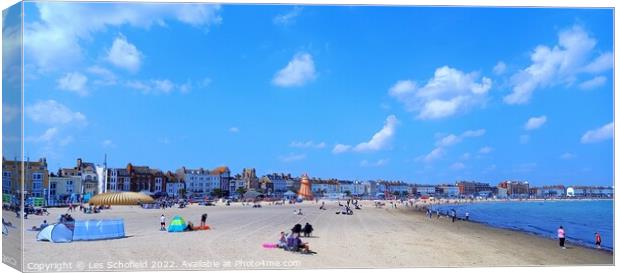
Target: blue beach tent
{"x": 58, "y": 233}
{"x": 177, "y": 224}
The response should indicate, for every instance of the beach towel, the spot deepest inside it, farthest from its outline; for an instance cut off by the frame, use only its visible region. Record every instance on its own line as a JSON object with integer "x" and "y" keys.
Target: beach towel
{"x": 270, "y": 245}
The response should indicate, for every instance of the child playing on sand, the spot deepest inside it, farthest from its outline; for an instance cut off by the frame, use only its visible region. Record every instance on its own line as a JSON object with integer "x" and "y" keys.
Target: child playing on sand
{"x": 162, "y": 221}
{"x": 561, "y": 237}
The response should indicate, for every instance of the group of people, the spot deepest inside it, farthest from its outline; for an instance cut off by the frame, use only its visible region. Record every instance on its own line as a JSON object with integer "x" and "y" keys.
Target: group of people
{"x": 293, "y": 242}
{"x": 562, "y": 238}
{"x": 190, "y": 225}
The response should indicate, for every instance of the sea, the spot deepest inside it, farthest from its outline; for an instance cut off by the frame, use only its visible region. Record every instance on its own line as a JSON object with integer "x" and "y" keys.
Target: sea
{"x": 580, "y": 218}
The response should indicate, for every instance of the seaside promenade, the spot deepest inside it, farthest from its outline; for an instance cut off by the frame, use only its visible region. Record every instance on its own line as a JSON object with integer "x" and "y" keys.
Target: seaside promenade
{"x": 372, "y": 237}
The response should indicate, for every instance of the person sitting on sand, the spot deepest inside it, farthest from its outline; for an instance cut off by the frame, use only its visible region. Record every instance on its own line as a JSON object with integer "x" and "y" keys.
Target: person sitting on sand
{"x": 296, "y": 229}
{"x": 307, "y": 230}
{"x": 282, "y": 242}
{"x": 43, "y": 225}
{"x": 301, "y": 246}
{"x": 298, "y": 212}
{"x": 190, "y": 226}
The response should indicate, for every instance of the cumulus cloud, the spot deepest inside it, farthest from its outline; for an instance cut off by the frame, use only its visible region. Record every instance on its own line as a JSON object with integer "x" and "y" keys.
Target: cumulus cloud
{"x": 599, "y": 134}
{"x": 499, "y": 68}
{"x": 103, "y": 75}
{"x": 444, "y": 142}
{"x": 73, "y": 82}
{"x": 158, "y": 86}
{"x": 299, "y": 71}
{"x": 558, "y": 65}
{"x": 54, "y": 40}
{"x": 447, "y": 93}
{"x": 535, "y": 122}
{"x": 341, "y": 148}
{"x": 379, "y": 141}
{"x": 124, "y": 54}
{"x": 287, "y": 18}
{"x": 53, "y": 113}
{"x": 308, "y": 144}
{"x": 593, "y": 83}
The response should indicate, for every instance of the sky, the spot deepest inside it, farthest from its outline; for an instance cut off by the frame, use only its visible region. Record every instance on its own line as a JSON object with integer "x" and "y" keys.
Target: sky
{"x": 418, "y": 94}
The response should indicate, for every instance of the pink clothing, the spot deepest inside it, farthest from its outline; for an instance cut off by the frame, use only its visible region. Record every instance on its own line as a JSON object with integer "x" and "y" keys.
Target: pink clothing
{"x": 560, "y": 233}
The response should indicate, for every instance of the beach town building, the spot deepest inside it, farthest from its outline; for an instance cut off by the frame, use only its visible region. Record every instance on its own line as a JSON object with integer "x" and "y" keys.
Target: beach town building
{"x": 266, "y": 186}
{"x": 36, "y": 177}
{"x": 345, "y": 187}
{"x": 250, "y": 179}
{"x": 553, "y": 191}
{"x": 359, "y": 189}
{"x": 447, "y": 190}
{"x": 63, "y": 189}
{"x": 474, "y": 188}
{"x": 592, "y": 191}
{"x": 145, "y": 179}
{"x": 118, "y": 179}
{"x": 428, "y": 190}
{"x": 175, "y": 186}
{"x": 515, "y": 188}
{"x": 201, "y": 181}
{"x": 389, "y": 188}
{"x": 235, "y": 184}
{"x": 322, "y": 187}
{"x": 280, "y": 182}
{"x": 370, "y": 187}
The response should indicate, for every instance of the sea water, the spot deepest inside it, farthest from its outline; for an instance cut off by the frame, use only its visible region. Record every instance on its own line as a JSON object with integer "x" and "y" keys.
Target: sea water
{"x": 580, "y": 218}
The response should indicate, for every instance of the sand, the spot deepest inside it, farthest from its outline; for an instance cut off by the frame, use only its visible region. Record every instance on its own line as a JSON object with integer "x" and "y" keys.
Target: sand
{"x": 371, "y": 238}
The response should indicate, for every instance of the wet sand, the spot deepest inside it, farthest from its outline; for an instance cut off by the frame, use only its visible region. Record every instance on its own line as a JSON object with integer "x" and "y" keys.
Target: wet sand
{"x": 371, "y": 238}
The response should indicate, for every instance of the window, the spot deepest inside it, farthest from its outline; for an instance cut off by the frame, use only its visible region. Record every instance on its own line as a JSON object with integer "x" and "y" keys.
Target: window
{"x": 6, "y": 174}
{"x": 37, "y": 176}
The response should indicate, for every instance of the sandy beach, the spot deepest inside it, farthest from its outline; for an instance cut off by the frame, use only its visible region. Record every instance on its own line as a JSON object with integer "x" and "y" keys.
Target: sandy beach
{"x": 371, "y": 238}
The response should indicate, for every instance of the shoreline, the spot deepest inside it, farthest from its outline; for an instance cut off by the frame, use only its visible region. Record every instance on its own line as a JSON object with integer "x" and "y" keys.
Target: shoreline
{"x": 421, "y": 211}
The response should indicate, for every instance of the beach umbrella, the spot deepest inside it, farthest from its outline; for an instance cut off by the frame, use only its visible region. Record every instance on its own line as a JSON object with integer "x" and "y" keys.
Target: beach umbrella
{"x": 120, "y": 198}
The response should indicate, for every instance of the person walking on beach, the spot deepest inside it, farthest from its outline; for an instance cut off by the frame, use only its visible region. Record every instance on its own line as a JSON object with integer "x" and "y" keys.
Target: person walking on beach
{"x": 453, "y": 215}
{"x": 561, "y": 237}
{"x": 162, "y": 221}
{"x": 597, "y": 240}
{"x": 466, "y": 216}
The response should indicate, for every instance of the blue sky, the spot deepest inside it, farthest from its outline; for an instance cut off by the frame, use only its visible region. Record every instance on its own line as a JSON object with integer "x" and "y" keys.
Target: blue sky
{"x": 425, "y": 95}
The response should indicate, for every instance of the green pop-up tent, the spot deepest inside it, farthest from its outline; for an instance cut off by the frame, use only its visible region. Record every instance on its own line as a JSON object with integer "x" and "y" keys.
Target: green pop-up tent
{"x": 177, "y": 224}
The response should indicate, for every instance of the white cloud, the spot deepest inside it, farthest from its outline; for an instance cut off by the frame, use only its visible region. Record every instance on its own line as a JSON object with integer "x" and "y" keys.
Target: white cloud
{"x": 450, "y": 140}
{"x": 73, "y": 82}
{"x": 105, "y": 76}
{"x": 158, "y": 86}
{"x": 381, "y": 139}
{"x": 234, "y": 130}
{"x": 308, "y": 144}
{"x": 499, "y": 68}
{"x": 54, "y": 39}
{"x": 341, "y": 148}
{"x": 292, "y": 157}
{"x": 535, "y": 122}
{"x": 457, "y": 166}
{"x": 466, "y": 156}
{"x": 299, "y": 71}
{"x": 485, "y": 150}
{"x": 593, "y": 83}
{"x": 287, "y": 18}
{"x": 378, "y": 163}
{"x": 449, "y": 92}
{"x": 47, "y": 136}
{"x": 599, "y": 134}
{"x": 53, "y": 113}
{"x": 124, "y": 54}
{"x": 558, "y": 65}
{"x": 602, "y": 63}
{"x": 567, "y": 156}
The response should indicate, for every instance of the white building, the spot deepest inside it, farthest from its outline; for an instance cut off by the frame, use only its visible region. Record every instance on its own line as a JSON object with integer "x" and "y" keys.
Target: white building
{"x": 63, "y": 187}
{"x": 200, "y": 180}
